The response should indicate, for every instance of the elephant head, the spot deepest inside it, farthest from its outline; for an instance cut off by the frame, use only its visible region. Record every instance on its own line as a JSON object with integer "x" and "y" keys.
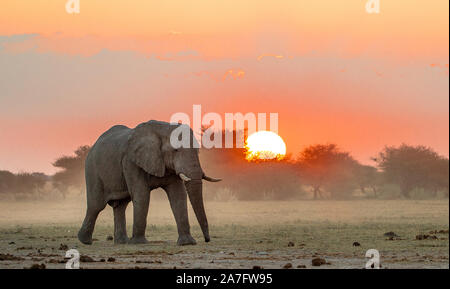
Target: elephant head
{"x": 150, "y": 148}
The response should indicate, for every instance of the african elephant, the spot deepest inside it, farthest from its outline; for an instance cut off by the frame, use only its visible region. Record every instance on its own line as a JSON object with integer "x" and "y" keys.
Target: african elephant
{"x": 126, "y": 164}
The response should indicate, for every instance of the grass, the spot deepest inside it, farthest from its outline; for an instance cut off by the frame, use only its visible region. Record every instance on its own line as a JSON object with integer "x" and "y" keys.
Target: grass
{"x": 240, "y": 231}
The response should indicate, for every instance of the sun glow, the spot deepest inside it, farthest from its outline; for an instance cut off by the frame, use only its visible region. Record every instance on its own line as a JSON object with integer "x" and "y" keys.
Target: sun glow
{"x": 265, "y": 145}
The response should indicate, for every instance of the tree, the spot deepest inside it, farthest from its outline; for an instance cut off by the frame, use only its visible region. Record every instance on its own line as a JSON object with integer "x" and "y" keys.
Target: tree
{"x": 22, "y": 183}
{"x": 250, "y": 180}
{"x": 414, "y": 167}
{"x": 326, "y": 168}
{"x": 72, "y": 170}
{"x": 368, "y": 177}
{"x": 29, "y": 183}
{"x": 7, "y": 182}
{"x": 439, "y": 177}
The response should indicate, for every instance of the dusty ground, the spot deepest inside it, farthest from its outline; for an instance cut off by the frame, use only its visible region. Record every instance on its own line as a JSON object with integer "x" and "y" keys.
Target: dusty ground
{"x": 244, "y": 234}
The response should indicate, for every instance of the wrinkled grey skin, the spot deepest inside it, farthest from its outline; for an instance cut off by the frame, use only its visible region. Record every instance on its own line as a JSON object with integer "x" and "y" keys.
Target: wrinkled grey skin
{"x": 126, "y": 164}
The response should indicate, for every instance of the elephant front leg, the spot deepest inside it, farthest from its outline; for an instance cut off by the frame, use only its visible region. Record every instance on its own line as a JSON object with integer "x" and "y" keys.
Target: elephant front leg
{"x": 177, "y": 196}
{"x": 140, "y": 211}
{"x": 138, "y": 188}
{"x": 120, "y": 228}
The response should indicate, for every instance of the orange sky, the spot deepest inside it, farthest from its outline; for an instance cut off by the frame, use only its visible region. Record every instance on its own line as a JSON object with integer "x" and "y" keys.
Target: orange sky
{"x": 333, "y": 72}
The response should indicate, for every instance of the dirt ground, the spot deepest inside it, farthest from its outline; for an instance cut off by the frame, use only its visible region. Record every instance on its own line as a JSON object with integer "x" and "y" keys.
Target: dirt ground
{"x": 243, "y": 235}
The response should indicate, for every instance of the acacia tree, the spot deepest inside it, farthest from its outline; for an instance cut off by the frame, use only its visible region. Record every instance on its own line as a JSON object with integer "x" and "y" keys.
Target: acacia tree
{"x": 326, "y": 168}
{"x": 250, "y": 180}
{"x": 72, "y": 170}
{"x": 412, "y": 167}
{"x": 22, "y": 184}
{"x": 439, "y": 177}
{"x": 368, "y": 178}
{"x": 29, "y": 183}
{"x": 7, "y": 182}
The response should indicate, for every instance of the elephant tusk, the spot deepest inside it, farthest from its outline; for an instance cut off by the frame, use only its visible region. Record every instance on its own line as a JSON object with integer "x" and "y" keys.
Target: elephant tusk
{"x": 184, "y": 177}
{"x": 209, "y": 179}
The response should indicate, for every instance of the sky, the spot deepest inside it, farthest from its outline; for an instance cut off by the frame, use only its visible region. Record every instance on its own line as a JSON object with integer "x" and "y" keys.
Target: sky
{"x": 333, "y": 72}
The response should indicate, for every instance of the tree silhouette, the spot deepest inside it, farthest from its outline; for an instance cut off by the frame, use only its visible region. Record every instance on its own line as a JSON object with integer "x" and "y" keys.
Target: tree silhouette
{"x": 368, "y": 177}
{"x": 326, "y": 168}
{"x": 72, "y": 171}
{"x": 412, "y": 167}
{"x": 7, "y": 182}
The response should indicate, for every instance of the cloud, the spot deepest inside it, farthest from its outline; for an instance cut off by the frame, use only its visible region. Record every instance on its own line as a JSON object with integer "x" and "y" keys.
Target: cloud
{"x": 234, "y": 74}
{"x": 277, "y": 56}
{"x": 16, "y": 38}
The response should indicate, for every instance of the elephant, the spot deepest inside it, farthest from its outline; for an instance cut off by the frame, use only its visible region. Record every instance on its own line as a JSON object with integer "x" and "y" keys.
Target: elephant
{"x": 125, "y": 164}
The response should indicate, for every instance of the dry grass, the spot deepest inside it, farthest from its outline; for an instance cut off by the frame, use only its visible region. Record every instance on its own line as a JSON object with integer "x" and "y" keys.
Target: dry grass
{"x": 240, "y": 232}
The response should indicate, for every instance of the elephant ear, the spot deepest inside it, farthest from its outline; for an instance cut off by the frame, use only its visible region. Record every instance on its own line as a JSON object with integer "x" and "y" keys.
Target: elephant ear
{"x": 144, "y": 149}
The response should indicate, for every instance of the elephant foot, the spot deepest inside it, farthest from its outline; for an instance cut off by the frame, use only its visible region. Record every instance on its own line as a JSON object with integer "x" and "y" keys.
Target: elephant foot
{"x": 138, "y": 240}
{"x": 186, "y": 240}
{"x": 84, "y": 237}
{"x": 121, "y": 240}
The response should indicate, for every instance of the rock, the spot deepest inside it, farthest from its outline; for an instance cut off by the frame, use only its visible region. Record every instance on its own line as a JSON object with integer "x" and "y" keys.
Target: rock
{"x": 301, "y": 266}
{"x": 24, "y": 248}
{"x": 318, "y": 261}
{"x": 291, "y": 244}
{"x": 86, "y": 259}
{"x": 287, "y": 266}
{"x": 111, "y": 259}
{"x": 63, "y": 247}
{"x": 9, "y": 257}
{"x": 390, "y": 234}
{"x": 356, "y": 244}
{"x": 422, "y": 237}
{"x": 109, "y": 238}
{"x": 373, "y": 266}
{"x": 11, "y": 243}
{"x": 55, "y": 261}
{"x": 262, "y": 253}
{"x": 36, "y": 266}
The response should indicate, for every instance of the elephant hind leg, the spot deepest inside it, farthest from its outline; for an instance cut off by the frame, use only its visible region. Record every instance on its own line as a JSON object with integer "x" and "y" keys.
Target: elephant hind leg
{"x": 120, "y": 227}
{"x": 95, "y": 204}
{"x": 85, "y": 233}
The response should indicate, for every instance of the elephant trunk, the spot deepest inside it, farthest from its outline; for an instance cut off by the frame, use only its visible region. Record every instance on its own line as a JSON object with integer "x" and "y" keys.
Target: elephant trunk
{"x": 195, "y": 192}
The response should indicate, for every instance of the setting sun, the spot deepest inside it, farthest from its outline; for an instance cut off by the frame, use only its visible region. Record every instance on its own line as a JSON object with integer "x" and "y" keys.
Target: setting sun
{"x": 265, "y": 145}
